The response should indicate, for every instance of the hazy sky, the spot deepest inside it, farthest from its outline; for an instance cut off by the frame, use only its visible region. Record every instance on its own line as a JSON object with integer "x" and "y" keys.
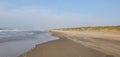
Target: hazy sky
{"x": 44, "y": 14}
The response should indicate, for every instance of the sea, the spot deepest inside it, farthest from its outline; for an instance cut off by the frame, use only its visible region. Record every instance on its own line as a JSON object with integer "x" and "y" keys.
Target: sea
{"x": 13, "y": 43}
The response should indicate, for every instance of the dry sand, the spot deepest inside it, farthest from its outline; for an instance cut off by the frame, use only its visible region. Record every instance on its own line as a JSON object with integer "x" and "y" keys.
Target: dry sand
{"x": 79, "y": 44}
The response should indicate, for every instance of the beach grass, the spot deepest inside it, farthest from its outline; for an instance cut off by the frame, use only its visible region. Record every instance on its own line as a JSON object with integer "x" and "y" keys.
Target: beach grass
{"x": 95, "y": 28}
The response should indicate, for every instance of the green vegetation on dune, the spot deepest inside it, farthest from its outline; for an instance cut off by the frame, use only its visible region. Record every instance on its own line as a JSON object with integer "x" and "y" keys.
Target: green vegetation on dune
{"x": 96, "y": 28}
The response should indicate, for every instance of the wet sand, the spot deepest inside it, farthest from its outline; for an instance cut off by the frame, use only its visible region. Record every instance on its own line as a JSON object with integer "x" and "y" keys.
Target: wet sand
{"x": 79, "y": 44}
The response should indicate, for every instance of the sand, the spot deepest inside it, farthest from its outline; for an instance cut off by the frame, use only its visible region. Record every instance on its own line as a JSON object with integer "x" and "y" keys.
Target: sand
{"x": 79, "y": 44}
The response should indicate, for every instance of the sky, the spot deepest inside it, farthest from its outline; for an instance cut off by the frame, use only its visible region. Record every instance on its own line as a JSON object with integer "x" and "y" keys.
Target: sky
{"x": 51, "y": 14}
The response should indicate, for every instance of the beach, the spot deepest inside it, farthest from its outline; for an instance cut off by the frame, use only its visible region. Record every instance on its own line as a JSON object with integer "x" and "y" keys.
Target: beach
{"x": 59, "y": 28}
{"x": 79, "y": 44}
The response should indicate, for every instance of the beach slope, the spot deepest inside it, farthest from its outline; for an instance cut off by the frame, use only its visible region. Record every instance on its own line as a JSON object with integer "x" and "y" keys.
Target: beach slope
{"x": 79, "y": 44}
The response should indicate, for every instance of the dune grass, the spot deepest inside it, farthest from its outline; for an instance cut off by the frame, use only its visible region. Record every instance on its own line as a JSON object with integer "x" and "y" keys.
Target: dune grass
{"x": 95, "y": 28}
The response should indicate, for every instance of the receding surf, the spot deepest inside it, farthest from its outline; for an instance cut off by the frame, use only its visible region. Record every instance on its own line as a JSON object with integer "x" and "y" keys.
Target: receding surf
{"x": 14, "y": 42}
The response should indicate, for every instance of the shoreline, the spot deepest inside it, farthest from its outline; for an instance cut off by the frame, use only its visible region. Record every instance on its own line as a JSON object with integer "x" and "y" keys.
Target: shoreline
{"x": 17, "y": 43}
{"x": 62, "y": 47}
{"x": 36, "y": 46}
{"x": 79, "y": 44}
